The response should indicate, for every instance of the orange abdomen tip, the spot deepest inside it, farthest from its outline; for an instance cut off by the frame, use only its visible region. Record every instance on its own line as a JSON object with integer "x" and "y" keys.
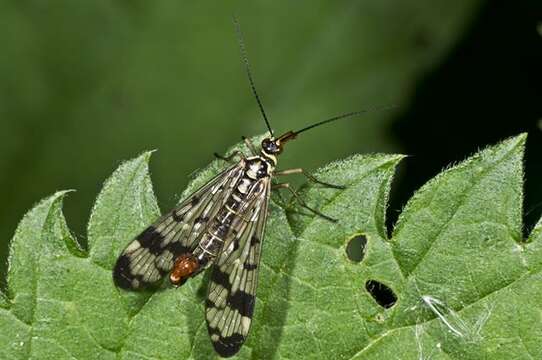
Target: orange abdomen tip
{"x": 185, "y": 265}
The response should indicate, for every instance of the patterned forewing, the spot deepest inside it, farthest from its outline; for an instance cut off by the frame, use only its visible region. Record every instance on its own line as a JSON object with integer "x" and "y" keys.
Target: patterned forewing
{"x": 232, "y": 290}
{"x": 151, "y": 255}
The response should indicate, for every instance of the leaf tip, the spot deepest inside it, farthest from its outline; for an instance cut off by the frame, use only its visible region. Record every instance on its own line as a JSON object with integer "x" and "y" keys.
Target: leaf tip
{"x": 144, "y": 156}
{"x": 518, "y": 140}
{"x": 396, "y": 158}
{"x": 63, "y": 193}
{"x": 147, "y": 154}
{"x": 58, "y": 196}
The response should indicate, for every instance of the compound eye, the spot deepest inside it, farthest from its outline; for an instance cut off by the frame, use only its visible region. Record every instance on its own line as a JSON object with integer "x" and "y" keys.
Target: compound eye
{"x": 268, "y": 145}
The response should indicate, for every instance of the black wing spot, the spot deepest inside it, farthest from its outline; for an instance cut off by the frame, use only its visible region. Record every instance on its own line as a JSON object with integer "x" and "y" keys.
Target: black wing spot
{"x": 247, "y": 266}
{"x": 254, "y": 240}
{"x": 221, "y": 278}
{"x": 176, "y": 217}
{"x": 177, "y": 248}
{"x": 195, "y": 201}
{"x": 242, "y": 302}
{"x": 228, "y": 346}
{"x": 121, "y": 273}
{"x": 209, "y": 304}
{"x": 124, "y": 278}
{"x": 151, "y": 240}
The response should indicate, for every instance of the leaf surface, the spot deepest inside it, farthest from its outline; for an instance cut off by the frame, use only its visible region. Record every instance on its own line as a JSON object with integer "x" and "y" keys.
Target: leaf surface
{"x": 466, "y": 283}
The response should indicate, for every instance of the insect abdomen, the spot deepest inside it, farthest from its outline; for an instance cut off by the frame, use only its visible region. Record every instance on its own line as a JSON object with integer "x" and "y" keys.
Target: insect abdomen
{"x": 184, "y": 267}
{"x": 229, "y": 216}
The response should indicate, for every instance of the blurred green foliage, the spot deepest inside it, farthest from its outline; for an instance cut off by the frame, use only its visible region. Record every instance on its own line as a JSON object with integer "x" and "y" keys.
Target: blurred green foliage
{"x": 86, "y": 84}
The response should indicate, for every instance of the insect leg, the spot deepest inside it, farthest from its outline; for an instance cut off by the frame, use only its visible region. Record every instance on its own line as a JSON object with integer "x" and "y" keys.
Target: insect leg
{"x": 308, "y": 176}
{"x": 302, "y": 202}
{"x": 229, "y": 158}
{"x": 250, "y": 145}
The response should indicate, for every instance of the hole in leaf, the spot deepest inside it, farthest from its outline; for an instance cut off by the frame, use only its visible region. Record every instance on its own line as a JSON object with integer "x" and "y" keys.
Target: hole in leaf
{"x": 382, "y": 294}
{"x": 355, "y": 249}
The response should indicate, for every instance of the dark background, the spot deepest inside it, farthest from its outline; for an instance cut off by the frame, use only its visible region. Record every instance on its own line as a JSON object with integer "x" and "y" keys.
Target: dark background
{"x": 85, "y": 85}
{"x": 489, "y": 88}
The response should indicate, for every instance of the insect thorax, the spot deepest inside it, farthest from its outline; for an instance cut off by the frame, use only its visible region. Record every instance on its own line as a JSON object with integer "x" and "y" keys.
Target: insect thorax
{"x": 259, "y": 167}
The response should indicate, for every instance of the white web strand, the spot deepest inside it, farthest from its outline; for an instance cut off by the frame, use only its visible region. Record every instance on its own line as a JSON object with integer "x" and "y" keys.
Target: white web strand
{"x": 452, "y": 320}
{"x": 435, "y": 305}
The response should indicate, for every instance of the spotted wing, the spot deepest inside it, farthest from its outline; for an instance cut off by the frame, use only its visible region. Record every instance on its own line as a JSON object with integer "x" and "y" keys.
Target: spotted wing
{"x": 232, "y": 289}
{"x": 151, "y": 255}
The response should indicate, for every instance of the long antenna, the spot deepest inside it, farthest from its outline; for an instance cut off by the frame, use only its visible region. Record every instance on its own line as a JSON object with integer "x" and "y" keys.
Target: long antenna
{"x": 339, "y": 117}
{"x": 249, "y": 74}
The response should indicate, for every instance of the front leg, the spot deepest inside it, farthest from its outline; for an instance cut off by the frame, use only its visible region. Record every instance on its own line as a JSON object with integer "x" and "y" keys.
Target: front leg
{"x": 309, "y": 177}
{"x": 302, "y": 202}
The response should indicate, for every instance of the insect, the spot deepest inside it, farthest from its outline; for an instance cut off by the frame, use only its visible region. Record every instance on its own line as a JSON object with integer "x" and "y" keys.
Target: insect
{"x": 221, "y": 225}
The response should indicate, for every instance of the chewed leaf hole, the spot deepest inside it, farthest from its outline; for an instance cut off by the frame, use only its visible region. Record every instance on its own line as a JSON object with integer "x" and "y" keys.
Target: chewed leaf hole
{"x": 355, "y": 249}
{"x": 382, "y": 294}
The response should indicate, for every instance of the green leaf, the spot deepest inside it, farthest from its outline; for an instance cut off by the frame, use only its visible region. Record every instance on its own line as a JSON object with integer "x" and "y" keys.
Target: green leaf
{"x": 125, "y": 205}
{"x": 467, "y": 284}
